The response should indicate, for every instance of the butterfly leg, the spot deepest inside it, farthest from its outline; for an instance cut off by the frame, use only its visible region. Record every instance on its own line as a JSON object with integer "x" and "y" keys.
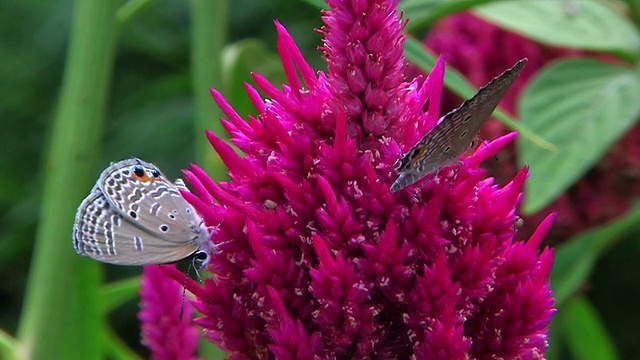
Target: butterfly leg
{"x": 455, "y": 173}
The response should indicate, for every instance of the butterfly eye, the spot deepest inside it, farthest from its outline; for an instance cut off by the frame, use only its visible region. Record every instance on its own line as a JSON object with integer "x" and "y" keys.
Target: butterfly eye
{"x": 200, "y": 259}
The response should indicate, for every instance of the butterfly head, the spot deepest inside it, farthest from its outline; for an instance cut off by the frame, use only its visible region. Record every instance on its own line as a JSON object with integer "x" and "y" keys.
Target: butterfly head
{"x": 145, "y": 173}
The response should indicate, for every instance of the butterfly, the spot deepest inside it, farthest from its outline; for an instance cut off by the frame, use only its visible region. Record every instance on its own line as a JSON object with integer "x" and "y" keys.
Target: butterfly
{"x": 135, "y": 216}
{"x": 455, "y": 132}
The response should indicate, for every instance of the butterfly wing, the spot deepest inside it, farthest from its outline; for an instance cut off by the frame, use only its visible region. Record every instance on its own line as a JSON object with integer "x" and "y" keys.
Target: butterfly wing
{"x": 455, "y": 132}
{"x": 103, "y": 234}
{"x": 143, "y": 196}
{"x": 406, "y": 179}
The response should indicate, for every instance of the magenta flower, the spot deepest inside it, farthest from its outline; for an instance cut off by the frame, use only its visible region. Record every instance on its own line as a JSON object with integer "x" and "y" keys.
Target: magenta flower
{"x": 163, "y": 332}
{"x": 481, "y": 50}
{"x": 319, "y": 260}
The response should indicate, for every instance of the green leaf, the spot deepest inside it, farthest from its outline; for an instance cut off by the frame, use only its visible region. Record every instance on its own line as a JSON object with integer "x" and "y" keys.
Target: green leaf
{"x": 583, "y": 331}
{"x": 421, "y": 57}
{"x": 117, "y": 293}
{"x": 575, "y": 259}
{"x": 116, "y": 348}
{"x": 582, "y": 107}
{"x": 584, "y": 24}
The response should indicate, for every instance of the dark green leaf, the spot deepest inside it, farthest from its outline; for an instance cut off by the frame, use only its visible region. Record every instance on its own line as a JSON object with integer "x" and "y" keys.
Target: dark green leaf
{"x": 117, "y": 293}
{"x": 581, "y": 24}
{"x": 574, "y": 260}
{"x": 583, "y": 331}
{"x": 582, "y": 107}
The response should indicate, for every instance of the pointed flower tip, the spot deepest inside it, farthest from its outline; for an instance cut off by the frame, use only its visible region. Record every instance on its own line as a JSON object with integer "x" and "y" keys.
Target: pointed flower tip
{"x": 283, "y": 36}
{"x": 222, "y": 148}
{"x": 217, "y": 96}
{"x": 293, "y": 59}
{"x": 279, "y": 27}
{"x": 548, "y": 221}
{"x": 509, "y": 137}
{"x": 432, "y": 89}
{"x": 195, "y": 169}
{"x": 439, "y": 65}
{"x": 502, "y": 141}
{"x": 519, "y": 180}
{"x": 487, "y": 150}
{"x": 538, "y": 236}
{"x": 214, "y": 139}
{"x": 436, "y": 77}
{"x": 187, "y": 195}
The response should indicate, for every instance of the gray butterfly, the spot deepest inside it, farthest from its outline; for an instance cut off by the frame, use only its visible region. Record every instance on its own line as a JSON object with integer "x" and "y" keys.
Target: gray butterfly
{"x": 455, "y": 132}
{"x": 135, "y": 216}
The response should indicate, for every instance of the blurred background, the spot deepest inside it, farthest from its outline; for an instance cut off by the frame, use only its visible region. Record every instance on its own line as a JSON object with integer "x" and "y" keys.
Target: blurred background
{"x": 585, "y": 51}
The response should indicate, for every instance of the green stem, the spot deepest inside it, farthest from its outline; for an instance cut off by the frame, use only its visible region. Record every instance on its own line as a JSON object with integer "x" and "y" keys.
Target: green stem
{"x": 208, "y": 36}
{"x": 9, "y": 347}
{"x": 61, "y": 317}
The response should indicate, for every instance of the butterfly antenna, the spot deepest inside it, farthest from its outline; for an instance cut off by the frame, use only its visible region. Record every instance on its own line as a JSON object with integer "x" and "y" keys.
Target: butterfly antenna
{"x": 186, "y": 279}
{"x": 196, "y": 270}
{"x": 488, "y": 146}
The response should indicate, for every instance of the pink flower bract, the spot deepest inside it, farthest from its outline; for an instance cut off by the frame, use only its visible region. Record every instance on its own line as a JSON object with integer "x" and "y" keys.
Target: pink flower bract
{"x": 163, "y": 331}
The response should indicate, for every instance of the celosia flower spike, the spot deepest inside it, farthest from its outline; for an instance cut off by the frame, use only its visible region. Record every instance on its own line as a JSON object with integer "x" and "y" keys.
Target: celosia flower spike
{"x": 164, "y": 331}
{"x": 320, "y": 260}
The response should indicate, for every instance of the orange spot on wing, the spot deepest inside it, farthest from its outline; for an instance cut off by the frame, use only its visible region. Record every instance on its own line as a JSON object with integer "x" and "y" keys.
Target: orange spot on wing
{"x": 143, "y": 178}
{"x": 418, "y": 154}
